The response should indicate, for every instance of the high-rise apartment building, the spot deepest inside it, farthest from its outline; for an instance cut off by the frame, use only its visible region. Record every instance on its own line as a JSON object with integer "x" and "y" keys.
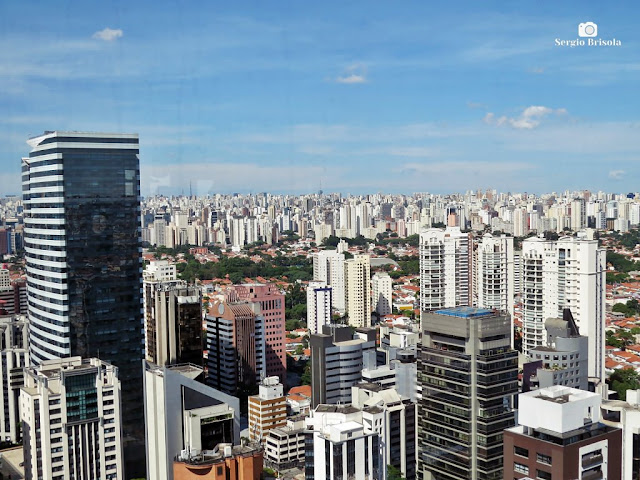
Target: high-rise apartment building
{"x": 494, "y": 273}
{"x": 357, "y": 283}
{"x": 566, "y": 273}
{"x": 81, "y": 196}
{"x": 267, "y": 409}
{"x": 469, "y": 374}
{"x": 235, "y": 342}
{"x": 559, "y": 435}
{"x": 271, "y": 301}
{"x": 382, "y": 288}
{"x": 446, "y": 275}
{"x": 71, "y": 420}
{"x": 14, "y": 353}
{"x": 172, "y": 319}
{"x": 328, "y": 267}
{"x": 318, "y": 306}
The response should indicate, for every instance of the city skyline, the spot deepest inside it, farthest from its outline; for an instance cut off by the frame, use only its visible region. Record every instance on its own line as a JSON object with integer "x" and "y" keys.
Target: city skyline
{"x": 317, "y": 96}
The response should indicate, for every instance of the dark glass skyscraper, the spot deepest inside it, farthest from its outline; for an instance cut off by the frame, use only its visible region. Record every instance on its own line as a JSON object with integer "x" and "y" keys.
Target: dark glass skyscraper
{"x": 83, "y": 255}
{"x": 469, "y": 374}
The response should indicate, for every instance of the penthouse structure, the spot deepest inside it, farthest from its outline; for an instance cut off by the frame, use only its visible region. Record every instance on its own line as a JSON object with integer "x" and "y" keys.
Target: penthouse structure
{"x": 559, "y": 435}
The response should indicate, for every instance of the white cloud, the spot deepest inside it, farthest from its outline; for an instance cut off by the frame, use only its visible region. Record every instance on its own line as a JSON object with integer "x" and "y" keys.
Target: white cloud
{"x": 616, "y": 174}
{"x": 353, "y": 78}
{"x": 537, "y": 70}
{"x": 529, "y": 118}
{"x": 353, "y": 74}
{"x": 108, "y": 34}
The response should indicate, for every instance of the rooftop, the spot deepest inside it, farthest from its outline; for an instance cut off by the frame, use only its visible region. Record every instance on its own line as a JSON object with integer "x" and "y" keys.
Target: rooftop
{"x": 465, "y": 312}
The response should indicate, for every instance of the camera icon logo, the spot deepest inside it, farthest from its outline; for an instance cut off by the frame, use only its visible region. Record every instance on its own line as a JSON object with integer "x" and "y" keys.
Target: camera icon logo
{"x": 588, "y": 29}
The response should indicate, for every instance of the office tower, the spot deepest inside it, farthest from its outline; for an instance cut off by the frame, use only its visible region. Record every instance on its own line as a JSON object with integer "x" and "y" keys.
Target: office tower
{"x": 398, "y": 431}
{"x": 271, "y": 301}
{"x": 559, "y": 435}
{"x": 469, "y": 374}
{"x": 566, "y": 273}
{"x": 318, "y": 306}
{"x": 336, "y": 362}
{"x": 226, "y": 461}
{"x": 494, "y": 273}
{"x": 382, "y": 287}
{"x": 82, "y": 248}
{"x": 267, "y": 410}
{"x": 626, "y": 416}
{"x": 14, "y": 353}
{"x": 328, "y": 267}
{"x": 172, "y": 318}
{"x": 357, "y": 287}
{"x": 339, "y": 445}
{"x": 235, "y": 341}
{"x": 565, "y": 359}
{"x": 446, "y": 275}
{"x": 284, "y": 447}
{"x": 71, "y": 423}
{"x": 183, "y": 414}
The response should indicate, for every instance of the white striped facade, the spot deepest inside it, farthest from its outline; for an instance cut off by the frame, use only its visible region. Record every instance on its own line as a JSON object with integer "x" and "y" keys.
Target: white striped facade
{"x": 47, "y": 288}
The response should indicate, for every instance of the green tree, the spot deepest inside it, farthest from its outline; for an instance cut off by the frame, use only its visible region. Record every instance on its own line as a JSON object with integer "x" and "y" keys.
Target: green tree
{"x": 622, "y": 308}
{"x": 394, "y": 473}
{"x": 299, "y": 350}
{"x": 305, "y": 379}
{"x": 613, "y": 341}
{"x": 624, "y": 379}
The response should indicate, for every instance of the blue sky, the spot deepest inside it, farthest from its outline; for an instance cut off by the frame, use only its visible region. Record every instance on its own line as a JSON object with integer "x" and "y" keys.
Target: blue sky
{"x": 351, "y": 96}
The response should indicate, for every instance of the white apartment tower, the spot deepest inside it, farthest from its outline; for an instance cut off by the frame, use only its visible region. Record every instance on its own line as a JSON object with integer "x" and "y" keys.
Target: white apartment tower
{"x": 71, "y": 420}
{"x": 445, "y": 268}
{"x": 357, "y": 281}
{"x": 318, "y": 306}
{"x": 328, "y": 267}
{"x": 567, "y": 273}
{"x": 494, "y": 273}
{"x": 382, "y": 287}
